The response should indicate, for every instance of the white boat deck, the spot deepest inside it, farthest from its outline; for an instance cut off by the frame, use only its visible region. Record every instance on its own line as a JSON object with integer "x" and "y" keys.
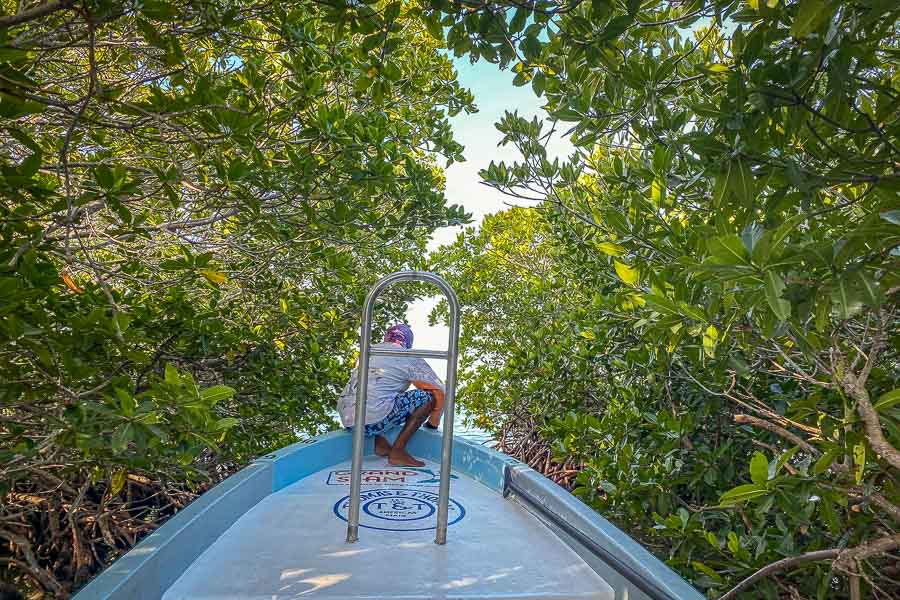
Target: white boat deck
{"x": 291, "y": 545}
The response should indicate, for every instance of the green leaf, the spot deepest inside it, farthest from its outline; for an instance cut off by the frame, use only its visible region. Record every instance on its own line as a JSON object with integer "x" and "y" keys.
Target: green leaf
{"x": 599, "y": 8}
{"x": 658, "y": 191}
{"x": 742, "y": 184}
{"x": 611, "y": 249}
{"x": 823, "y": 313}
{"x": 662, "y": 304}
{"x": 824, "y": 462}
{"x": 27, "y": 141}
{"x": 433, "y": 25}
{"x": 172, "y": 375}
{"x": 811, "y": 15}
{"x": 627, "y": 273}
{"x": 739, "y": 365}
{"x": 859, "y": 459}
{"x": 214, "y": 277}
{"x": 717, "y": 68}
{"x": 149, "y": 418}
{"x": 692, "y": 312}
{"x": 846, "y": 298}
{"x": 888, "y": 400}
{"x": 150, "y": 33}
{"x": 774, "y": 290}
{"x": 707, "y": 570}
{"x": 517, "y": 23}
{"x": 772, "y": 241}
{"x": 614, "y": 28}
{"x": 30, "y": 165}
{"x": 538, "y": 82}
{"x": 117, "y": 482}
{"x": 160, "y": 433}
{"x": 736, "y": 186}
{"x": 531, "y": 46}
{"x": 782, "y": 460}
{"x": 759, "y": 468}
{"x": 662, "y": 160}
{"x": 728, "y": 250}
{"x": 226, "y": 423}
{"x": 869, "y": 288}
{"x": 742, "y": 493}
{"x": 710, "y": 340}
{"x": 391, "y": 11}
{"x": 751, "y": 236}
{"x": 216, "y": 393}
{"x": 121, "y": 437}
{"x": 126, "y": 402}
{"x": 161, "y": 10}
{"x": 829, "y": 515}
{"x": 734, "y": 544}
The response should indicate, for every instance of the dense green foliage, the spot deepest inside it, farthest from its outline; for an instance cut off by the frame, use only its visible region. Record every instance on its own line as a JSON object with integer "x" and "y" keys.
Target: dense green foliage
{"x": 703, "y": 309}
{"x": 698, "y": 319}
{"x": 194, "y": 199}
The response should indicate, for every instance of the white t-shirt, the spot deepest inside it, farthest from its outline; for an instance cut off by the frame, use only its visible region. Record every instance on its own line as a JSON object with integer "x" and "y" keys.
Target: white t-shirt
{"x": 388, "y": 376}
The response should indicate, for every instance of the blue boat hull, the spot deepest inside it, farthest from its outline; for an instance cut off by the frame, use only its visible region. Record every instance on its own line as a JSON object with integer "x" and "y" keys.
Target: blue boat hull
{"x": 176, "y": 560}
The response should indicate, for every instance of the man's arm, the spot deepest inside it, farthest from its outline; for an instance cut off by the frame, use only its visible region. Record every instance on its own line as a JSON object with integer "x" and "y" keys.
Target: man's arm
{"x": 435, "y": 418}
{"x": 423, "y": 377}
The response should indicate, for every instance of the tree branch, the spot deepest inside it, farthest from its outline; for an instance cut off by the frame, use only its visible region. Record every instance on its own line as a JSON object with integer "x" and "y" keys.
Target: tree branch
{"x": 780, "y": 565}
{"x": 35, "y": 12}
{"x": 855, "y": 386}
{"x": 874, "y": 433}
{"x": 777, "y": 430}
{"x": 848, "y": 558}
{"x": 24, "y": 546}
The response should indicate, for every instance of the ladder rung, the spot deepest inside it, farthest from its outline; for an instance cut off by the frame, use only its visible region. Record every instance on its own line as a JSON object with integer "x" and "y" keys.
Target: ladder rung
{"x": 416, "y": 353}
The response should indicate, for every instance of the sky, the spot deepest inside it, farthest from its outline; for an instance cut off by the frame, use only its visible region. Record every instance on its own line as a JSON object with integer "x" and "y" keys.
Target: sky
{"x": 494, "y": 94}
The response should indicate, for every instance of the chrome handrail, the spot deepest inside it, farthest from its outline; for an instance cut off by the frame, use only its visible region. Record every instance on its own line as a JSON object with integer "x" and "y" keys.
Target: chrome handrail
{"x": 362, "y": 383}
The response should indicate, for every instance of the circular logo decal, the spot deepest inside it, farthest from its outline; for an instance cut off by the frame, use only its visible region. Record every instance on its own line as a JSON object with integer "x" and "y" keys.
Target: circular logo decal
{"x": 399, "y": 510}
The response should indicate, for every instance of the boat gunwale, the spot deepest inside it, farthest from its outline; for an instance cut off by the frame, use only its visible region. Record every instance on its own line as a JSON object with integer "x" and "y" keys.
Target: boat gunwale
{"x": 621, "y": 554}
{"x": 153, "y": 565}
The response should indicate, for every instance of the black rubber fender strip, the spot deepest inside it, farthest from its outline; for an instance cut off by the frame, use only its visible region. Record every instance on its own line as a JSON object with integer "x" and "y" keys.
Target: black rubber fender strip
{"x": 648, "y": 587}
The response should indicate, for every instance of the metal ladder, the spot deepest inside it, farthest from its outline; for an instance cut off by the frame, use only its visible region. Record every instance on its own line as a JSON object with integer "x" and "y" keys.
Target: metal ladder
{"x": 362, "y": 379}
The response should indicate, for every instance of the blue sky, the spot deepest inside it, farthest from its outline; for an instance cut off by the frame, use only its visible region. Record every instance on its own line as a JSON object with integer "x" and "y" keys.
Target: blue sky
{"x": 494, "y": 94}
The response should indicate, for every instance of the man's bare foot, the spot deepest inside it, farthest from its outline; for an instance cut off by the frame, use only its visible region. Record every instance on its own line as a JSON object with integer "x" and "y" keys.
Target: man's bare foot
{"x": 402, "y": 458}
{"x": 382, "y": 446}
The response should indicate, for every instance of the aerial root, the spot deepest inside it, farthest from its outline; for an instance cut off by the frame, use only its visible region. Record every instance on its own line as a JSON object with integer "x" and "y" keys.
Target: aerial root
{"x": 54, "y": 537}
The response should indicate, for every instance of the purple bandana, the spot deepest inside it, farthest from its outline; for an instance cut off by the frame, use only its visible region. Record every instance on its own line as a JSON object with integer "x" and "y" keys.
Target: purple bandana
{"x": 400, "y": 334}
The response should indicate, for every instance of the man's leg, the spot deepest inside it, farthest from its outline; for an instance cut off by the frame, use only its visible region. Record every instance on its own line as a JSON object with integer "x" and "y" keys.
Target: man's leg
{"x": 398, "y": 456}
{"x": 382, "y": 445}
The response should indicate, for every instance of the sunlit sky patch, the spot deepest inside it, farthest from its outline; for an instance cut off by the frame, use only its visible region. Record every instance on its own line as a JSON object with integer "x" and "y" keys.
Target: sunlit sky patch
{"x": 494, "y": 94}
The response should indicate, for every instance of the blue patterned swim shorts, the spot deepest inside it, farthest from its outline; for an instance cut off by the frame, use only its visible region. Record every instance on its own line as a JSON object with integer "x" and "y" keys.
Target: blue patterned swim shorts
{"x": 404, "y": 405}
